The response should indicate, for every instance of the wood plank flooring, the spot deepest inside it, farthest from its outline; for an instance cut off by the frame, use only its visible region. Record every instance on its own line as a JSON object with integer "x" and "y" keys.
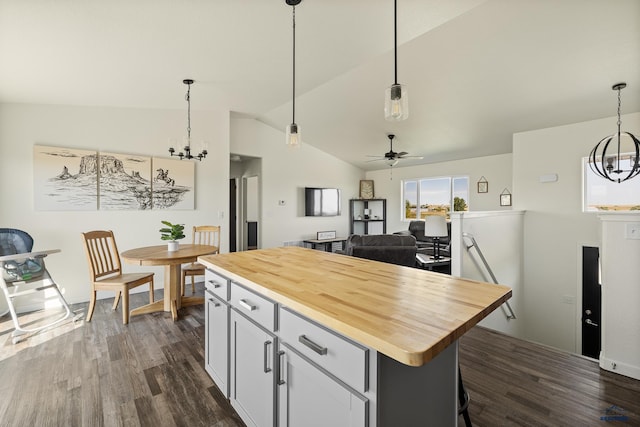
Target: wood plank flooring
{"x": 150, "y": 373}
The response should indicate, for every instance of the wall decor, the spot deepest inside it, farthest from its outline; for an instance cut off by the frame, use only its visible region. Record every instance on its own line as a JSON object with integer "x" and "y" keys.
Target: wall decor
{"x": 326, "y": 235}
{"x": 172, "y": 184}
{"x": 483, "y": 185}
{"x": 366, "y": 189}
{"x": 64, "y": 179}
{"x": 124, "y": 182}
{"x": 505, "y": 198}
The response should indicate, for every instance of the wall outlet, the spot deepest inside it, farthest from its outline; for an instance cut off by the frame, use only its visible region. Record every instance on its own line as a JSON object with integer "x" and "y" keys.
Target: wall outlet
{"x": 632, "y": 231}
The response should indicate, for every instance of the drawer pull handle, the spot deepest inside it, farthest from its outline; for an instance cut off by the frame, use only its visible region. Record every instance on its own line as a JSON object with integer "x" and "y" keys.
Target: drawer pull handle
{"x": 215, "y": 303}
{"x": 313, "y": 346}
{"x": 246, "y": 305}
{"x": 267, "y": 369}
{"x": 280, "y": 367}
{"x": 215, "y": 284}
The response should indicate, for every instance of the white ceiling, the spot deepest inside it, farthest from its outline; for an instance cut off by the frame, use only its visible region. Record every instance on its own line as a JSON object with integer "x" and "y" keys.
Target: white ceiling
{"x": 477, "y": 71}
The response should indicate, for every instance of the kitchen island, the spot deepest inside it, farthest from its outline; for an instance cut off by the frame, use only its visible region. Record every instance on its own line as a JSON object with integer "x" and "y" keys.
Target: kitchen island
{"x": 299, "y": 337}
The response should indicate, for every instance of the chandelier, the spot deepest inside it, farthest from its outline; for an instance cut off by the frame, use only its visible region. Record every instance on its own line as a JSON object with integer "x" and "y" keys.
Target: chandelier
{"x": 616, "y": 157}
{"x": 187, "y": 148}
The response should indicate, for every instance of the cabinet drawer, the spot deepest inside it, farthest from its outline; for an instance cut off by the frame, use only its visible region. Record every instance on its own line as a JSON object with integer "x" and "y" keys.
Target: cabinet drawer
{"x": 217, "y": 284}
{"x": 254, "y": 306}
{"x": 340, "y": 356}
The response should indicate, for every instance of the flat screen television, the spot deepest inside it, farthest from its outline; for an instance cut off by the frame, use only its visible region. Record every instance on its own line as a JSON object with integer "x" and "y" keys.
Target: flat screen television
{"x": 321, "y": 201}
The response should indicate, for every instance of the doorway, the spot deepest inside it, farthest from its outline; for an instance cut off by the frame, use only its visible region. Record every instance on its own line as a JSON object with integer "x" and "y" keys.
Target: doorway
{"x": 233, "y": 215}
{"x": 591, "y": 302}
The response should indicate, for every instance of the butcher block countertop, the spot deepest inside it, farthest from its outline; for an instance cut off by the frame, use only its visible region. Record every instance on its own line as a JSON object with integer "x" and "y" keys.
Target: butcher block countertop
{"x": 406, "y": 313}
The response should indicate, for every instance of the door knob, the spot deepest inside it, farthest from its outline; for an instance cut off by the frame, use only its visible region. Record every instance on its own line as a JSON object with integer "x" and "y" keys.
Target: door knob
{"x": 590, "y": 322}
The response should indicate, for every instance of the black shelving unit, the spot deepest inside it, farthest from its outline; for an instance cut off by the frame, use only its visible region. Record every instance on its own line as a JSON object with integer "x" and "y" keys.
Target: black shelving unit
{"x": 377, "y": 221}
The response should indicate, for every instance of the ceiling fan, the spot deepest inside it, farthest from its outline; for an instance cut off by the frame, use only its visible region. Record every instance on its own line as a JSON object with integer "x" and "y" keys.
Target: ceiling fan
{"x": 391, "y": 157}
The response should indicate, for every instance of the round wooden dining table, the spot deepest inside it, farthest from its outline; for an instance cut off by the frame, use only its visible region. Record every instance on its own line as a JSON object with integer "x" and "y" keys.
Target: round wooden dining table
{"x": 172, "y": 262}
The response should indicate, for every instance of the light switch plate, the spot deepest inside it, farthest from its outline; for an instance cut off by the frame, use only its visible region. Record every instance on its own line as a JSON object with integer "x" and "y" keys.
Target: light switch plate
{"x": 632, "y": 231}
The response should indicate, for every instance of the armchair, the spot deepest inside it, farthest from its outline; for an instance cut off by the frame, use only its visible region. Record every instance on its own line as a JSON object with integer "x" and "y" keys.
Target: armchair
{"x": 424, "y": 243}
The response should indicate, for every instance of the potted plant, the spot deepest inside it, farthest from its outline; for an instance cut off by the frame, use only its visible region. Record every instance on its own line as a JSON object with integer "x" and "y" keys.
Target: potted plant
{"x": 172, "y": 232}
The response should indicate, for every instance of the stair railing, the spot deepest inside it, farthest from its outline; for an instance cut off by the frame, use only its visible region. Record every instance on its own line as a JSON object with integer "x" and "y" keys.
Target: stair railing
{"x": 509, "y": 312}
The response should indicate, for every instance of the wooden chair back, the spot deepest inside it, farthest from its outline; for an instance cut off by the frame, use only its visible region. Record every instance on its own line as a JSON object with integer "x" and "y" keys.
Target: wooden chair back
{"x": 102, "y": 253}
{"x": 207, "y": 235}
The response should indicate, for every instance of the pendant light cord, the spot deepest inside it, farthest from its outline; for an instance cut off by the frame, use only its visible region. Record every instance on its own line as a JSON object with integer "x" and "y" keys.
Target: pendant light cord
{"x": 294, "y": 65}
{"x": 619, "y": 124}
{"x": 188, "y": 98}
{"x": 395, "y": 41}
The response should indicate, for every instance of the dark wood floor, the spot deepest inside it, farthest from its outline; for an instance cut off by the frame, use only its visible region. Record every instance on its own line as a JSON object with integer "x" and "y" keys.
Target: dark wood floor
{"x": 150, "y": 373}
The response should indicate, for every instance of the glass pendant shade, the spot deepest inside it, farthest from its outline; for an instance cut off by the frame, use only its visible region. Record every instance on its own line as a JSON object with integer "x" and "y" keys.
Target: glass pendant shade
{"x": 293, "y": 137}
{"x": 396, "y": 103}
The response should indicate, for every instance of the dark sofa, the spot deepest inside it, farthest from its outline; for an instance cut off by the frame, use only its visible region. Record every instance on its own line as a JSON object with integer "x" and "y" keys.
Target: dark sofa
{"x": 391, "y": 248}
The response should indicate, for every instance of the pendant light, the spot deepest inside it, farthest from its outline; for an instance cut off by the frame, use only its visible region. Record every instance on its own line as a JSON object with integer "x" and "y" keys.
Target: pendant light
{"x": 293, "y": 134}
{"x": 187, "y": 148}
{"x": 396, "y": 102}
{"x": 620, "y": 161}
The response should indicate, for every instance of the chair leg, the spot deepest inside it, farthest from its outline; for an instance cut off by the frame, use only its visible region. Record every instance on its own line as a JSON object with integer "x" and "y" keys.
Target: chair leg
{"x": 116, "y": 300}
{"x": 183, "y": 282}
{"x": 151, "y": 291}
{"x": 125, "y": 306}
{"x": 92, "y": 306}
{"x": 463, "y": 399}
{"x": 193, "y": 285}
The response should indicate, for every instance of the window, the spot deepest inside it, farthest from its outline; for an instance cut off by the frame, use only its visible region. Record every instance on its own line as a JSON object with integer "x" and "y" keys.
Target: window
{"x": 434, "y": 196}
{"x": 602, "y": 195}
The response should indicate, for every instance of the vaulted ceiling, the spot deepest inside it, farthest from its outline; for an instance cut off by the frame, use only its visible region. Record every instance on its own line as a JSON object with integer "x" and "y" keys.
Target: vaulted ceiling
{"x": 477, "y": 71}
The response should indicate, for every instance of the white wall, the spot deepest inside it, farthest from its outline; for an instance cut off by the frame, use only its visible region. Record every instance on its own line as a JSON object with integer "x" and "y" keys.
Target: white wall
{"x": 135, "y": 131}
{"x": 620, "y": 295}
{"x": 496, "y": 169}
{"x": 555, "y": 226}
{"x": 285, "y": 173}
{"x": 500, "y": 238}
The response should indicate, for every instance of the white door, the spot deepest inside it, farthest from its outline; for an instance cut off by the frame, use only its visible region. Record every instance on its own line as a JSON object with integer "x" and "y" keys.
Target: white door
{"x": 217, "y": 341}
{"x": 308, "y": 397}
{"x": 252, "y": 373}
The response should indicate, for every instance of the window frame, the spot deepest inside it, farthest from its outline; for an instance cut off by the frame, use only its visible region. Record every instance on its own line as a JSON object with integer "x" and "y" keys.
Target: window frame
{"x": 417, "y": 183}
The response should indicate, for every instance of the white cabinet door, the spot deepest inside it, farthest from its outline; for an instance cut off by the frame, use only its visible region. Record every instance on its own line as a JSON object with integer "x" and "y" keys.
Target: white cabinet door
{"x": 216, "y": 353}
{"x": 308, "y": 397}
{"x": 252, "y": 373}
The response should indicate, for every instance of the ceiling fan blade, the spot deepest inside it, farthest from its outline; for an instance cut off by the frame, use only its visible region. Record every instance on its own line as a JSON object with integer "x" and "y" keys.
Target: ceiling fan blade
{"x": 402, "y": 154}
{"x": 375, "y": 160}
{"x": 375, "y": 155}
{"x": 412, "y": 157}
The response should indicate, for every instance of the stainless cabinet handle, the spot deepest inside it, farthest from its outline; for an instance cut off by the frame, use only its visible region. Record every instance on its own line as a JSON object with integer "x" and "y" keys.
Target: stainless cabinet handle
{"x": 247, "y": 305}
{"x": 267, "y": 369}
{"x": 313, "y": 346}
{"x": 215, "y": 284}
{"x": 590, "y": 322}
{"x": 215, "y": 303}
{"x": 280, "y": 367}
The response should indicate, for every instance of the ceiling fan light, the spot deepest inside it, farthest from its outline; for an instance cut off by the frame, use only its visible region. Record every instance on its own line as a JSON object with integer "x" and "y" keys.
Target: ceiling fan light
{"x": 396, "y": 103}
{"x": 293, "y": 136}
{"x": 392, "y": 162}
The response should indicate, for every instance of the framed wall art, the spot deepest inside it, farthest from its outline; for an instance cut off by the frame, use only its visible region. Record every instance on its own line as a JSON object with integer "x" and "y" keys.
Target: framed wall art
{"x": 483, "y": 185}
{"x": 366, "y": 189}
{"x": 505, "y": 198}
